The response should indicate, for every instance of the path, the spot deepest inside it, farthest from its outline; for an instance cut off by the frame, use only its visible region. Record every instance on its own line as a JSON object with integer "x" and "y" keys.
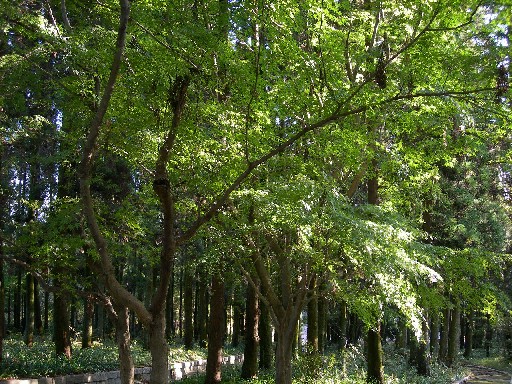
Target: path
{"x": 482, "y": 375}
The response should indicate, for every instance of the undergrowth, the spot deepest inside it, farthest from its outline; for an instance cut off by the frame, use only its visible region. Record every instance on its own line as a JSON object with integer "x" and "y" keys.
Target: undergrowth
{"x": 337, "y": 367}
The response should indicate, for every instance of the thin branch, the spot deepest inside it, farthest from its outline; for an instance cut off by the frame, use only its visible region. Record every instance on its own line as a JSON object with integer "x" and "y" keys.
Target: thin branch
{"x": 339, "y": 114}
{"x": 470, "y": 21}
{"x": 119, "y": 292}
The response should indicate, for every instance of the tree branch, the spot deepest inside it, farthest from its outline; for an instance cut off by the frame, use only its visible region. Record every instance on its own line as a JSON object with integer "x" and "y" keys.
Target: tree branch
{"x": 119, "y": 292}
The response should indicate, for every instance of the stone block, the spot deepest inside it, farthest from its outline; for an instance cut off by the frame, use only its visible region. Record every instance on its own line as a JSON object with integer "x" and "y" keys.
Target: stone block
{"x": 75, "y": 379}
{"x": 46, "y": 380}
{"x": 59, "y": 379}
{"x": 113, "y": 375}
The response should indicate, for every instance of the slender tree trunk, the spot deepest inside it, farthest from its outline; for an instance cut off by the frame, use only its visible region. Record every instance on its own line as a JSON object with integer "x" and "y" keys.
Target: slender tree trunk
{"x": 169, "y": 310}
{"x": 188, "y": 308}
{"x": 454, "y": 336}
{"x": 2, "y": 298}
{"x": 215, "y": 332}
{"x": 312, "y": 332}
{"x": 237, "y": 320}
{"x": 375, "y": 367}
{"x": 375, "y": 370}
{"x": 87, "y": 322}
{"x": 322, "y": 318}
{"x": 434, "y": 334}
{"x": 122, "y": 323}
{"x": 29, "y": 311}
{"x": 468, "y": 337}
{"x": 488, "y": 335}
{"x": 46, "y": 310}
{"x": 424, "y": 351}
{"x": 38, "y": 322}
{"x": 202, "y": 311}
{"x": 158, "y": 348}
{"x": 17, "y": 302}
{"x": 265, "y": 333}
{"x": 250, "y": 365}
{"x": 343, "y": 325}
{"x": 401, "y": 342}
{"x": 61, "y": 327}
{"x": 445, "y": 330}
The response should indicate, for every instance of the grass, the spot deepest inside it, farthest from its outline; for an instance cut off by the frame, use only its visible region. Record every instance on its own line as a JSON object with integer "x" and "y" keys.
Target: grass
{"x": 496, "y": 360}
{"x": 19, "y": 361}
{"x": 337, "y": 367}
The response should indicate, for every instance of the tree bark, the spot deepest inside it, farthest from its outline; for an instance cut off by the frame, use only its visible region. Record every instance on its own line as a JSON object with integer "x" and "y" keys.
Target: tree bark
{"x": 215, "y": 332}
{"x": 250, "y": 364}
{"x": 265, "y": 333}
{"x": 375, "y": 370}
{"x": 29, "y": 311}
{"x": 468, "y": 337}
{"x": 61, "y": 326}
{"x": 237, "y": 319}
{"x": 158, "y": 348}
{"x": 312, "y": 332}
{"x": 38, "y": 322}
{"x": 2, "y": 297}
{"x": 343, "y": 325}
{"x": 188, "y": 308}
{"x": 87, "y": 322}
{"x": 17, "y": 302}
{"x": 122, "y": 324}
{"x": 424, "y": 351}
{"x": 170, "y": 329}
{"x": 445, "y": 330}
{"x": 454, "y": 335}
{"x": 202, "y": 310}
{"x": 285, "y": 336}
{"x": 322, "y": 318}
{"x": 434, "y": 334}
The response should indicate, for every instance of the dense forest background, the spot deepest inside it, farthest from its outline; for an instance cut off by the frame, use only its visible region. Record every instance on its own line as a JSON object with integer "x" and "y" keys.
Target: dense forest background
{"x": 213, "y": 171}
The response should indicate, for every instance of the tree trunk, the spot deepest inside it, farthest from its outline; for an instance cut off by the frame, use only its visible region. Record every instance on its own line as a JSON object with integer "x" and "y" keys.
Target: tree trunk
{"x": 237, "y": 320}
{"x": 434, "y": 334}
{"x": 38, "y": 322}
{"x": 488, "y": 335}
{"x": 202, "y": 311}
{"x": 17, "y": 302}
{"x": 87, "y": 323}
{"x": 265, "y": 333}
{"x": 46, "y": 310}
{"x": 343, "y": 325}
{"x": 61, "y": 326}
{"x": 375, "y": 367}
{"x": 284, "y": 353}
{"x": 468, "y": 337}
{"x": 454, "y": 336}
{"x": 401, "y": 341}
{"x": 2, "y": 299}
{"x": 170, "y": 329}
{"x": 215, "y": 332}
{"x": 424, "y": 351}
{"x": 158, "y": 348}
{"x": 122, "y": 324}
{"x": 188, "y": 308}
{"x": 312, "y": 332}
{"x": 445, "y": 330}
{"x": 322, "y": 319}
{"x": 250, "y": 365}
{"x": 29, "y": 311}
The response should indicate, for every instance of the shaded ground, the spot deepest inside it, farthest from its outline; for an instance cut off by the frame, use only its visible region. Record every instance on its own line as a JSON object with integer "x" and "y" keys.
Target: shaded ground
{"x": 482, "y": 375}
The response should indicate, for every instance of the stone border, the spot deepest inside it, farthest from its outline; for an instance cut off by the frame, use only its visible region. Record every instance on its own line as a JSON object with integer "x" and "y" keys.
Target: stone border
{"x": 177, "y": 371}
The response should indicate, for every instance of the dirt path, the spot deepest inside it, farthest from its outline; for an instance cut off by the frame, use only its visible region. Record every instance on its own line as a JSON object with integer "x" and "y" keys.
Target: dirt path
{"x": 482, "y": 375}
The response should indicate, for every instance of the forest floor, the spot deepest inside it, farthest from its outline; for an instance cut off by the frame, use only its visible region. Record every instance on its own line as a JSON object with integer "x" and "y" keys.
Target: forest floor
{"x": 484, "y": 375}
